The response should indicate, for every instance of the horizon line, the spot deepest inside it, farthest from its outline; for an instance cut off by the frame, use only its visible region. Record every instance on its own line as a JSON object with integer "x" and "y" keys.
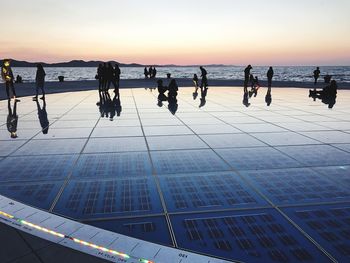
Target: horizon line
{"x": 180, "y": 65}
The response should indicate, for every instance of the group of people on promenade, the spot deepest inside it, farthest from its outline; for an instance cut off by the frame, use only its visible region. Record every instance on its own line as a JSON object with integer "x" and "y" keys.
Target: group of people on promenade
{"x": 203, "y": 86}
{"x": 107, "y": 75}
{"x": 255, "y": 85}
{"x": 109, "y": 107}
{"x": 150, "y": 73}
{"x": 170, "y": 97}
{"x": 8, "y": 78}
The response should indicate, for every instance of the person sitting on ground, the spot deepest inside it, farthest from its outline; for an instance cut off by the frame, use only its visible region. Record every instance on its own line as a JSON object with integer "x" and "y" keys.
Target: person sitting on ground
{"x": 172, "y": 96}
{"x": 19, "y": 79}
{"x": 327, "y": 78}
{"x": 255, "y": 87}
{"x": 327, "y": 95}
{"x": 161, "y": 90}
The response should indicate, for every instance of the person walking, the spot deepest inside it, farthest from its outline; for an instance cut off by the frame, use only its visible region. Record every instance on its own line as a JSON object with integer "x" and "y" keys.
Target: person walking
{"x": 40, "y": 81}
{"x": 7, "y": 76}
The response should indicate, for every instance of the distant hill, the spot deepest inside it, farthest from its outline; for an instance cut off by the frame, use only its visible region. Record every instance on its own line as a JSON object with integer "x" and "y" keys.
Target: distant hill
{"x": 73, "y": 63}
{"x": 93, "y": 63}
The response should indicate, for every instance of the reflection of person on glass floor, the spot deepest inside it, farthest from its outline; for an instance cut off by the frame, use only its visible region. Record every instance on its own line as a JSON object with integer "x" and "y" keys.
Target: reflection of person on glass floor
{"x": 255, "y": 87}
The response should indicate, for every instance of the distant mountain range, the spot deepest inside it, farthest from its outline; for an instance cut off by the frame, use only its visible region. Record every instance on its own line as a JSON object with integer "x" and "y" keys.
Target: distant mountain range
{"x": 82, "y": 63}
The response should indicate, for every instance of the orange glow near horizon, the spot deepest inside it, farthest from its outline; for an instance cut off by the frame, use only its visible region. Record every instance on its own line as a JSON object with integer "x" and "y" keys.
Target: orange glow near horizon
{"x": 233, "y": 32}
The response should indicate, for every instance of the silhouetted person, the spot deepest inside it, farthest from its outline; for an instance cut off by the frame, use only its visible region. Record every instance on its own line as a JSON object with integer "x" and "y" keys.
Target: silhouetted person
{"x": 150, "y": 72}
{"x": 251, "y": 80}
{"x": 204, "y": 82}
{"x": 12, "y": 119}
{"x": 246, "y": 78}
{"x": 7, "y": 76}
{"x": 327, "y": 79}
{"x": 196, "y": 86}
{"x": 172, "y": 96}
{"x": 268, "y": 97}
{"x": 117, "y": 73}
{"x": 40, "y": 81}
{"x": 104, "y": 76}
{"x": 42, "y": 114}
{"x": 161, "y": 93}
{"x": 204, "y": 92}
{"x": 99, "y": 76}
{"x": 19, "y": 79}
{"x": 255, "y": 87}
{"x": 316, "y": 74}
{"x": 246, "y": 99}
{"x": 153, "y": 73}
{"x": 145, "y": 72}
{"x": 269, "y": 74}
{"x": 110, "y": 76}
{"x": 327, "y": 95}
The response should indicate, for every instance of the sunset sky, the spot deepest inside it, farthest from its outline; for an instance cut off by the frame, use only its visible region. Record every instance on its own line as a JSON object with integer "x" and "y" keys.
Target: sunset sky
{"x": 270, "y": 32}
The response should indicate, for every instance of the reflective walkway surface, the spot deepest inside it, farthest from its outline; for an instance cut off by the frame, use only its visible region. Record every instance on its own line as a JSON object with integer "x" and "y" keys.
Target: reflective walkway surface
{"x": 210, "y": 172}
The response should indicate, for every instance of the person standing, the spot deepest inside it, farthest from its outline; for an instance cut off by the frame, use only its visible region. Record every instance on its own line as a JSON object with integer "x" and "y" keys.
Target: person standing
{"x": 40, "y": 81}
{"x": 109, "y": 76}
{"x": 145, "y": 72}
{"x": 317, "y": 73}
{"x": 7, "y": 76}
{"x": 117, "y": 73}
{"x": 269, "y": 77}
{"x": 204, "y": 82}
{"x": 104, "y": 76}
{"x": 150, "y": 72}
{"x": 154, "y": 73}
{"x": 99, "y": 77}
{"x": 246, "y": 78}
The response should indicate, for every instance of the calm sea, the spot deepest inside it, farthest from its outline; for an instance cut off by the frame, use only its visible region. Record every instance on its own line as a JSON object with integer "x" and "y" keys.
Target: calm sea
{"x": 304, "y": 74}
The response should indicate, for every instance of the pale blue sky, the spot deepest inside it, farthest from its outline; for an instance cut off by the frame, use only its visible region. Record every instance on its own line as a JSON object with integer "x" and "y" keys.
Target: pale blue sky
{"x": 183, "y": 31}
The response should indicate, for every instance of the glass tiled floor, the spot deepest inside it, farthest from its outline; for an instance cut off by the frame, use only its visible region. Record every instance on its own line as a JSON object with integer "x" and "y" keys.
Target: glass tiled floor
{"x": 256, "y": 184}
